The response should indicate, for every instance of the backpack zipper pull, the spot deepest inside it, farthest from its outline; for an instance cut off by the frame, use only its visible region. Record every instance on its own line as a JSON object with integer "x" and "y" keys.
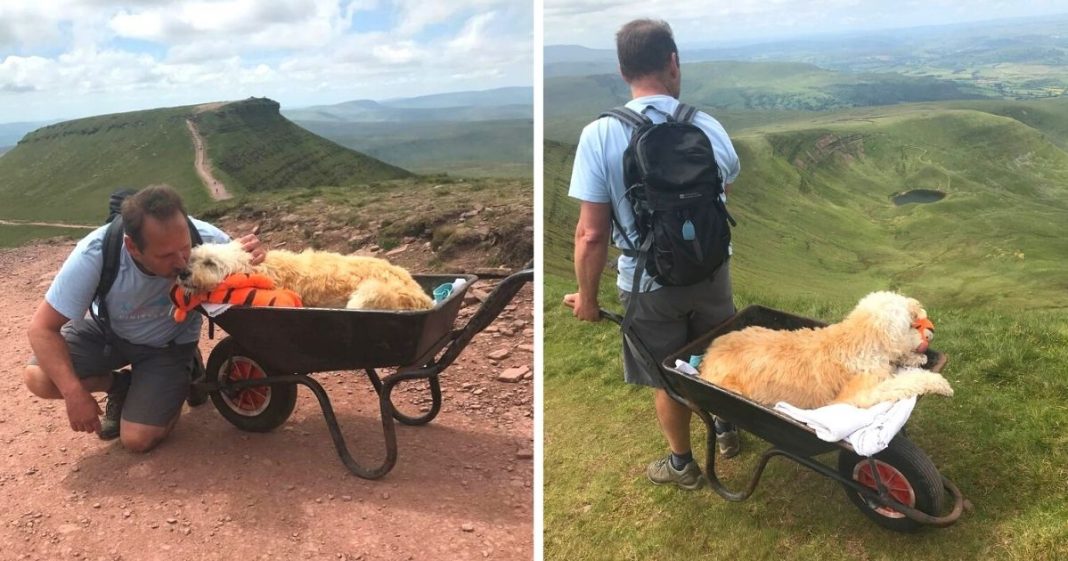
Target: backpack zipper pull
{"x": 688, "y": 232}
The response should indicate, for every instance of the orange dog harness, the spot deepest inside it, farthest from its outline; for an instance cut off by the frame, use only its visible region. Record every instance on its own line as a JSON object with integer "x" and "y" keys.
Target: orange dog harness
{"x": 923, "y": 325}
{"x": 239, "y": 289}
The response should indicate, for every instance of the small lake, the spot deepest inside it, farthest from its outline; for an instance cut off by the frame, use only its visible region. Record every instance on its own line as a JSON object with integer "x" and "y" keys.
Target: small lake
{"x": 918, "y": 196}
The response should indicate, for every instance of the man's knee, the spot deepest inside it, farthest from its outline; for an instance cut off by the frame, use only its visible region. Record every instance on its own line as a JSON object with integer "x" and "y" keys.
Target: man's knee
{"x": 140, "y": 438}
{"x": 39, "y": 383}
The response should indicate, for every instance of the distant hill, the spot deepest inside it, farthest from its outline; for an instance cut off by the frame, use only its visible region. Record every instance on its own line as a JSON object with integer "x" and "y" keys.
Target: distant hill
{"x": 815, "y": 216}
{"x": 485, "y": 105}
{"x": 1014, "y": 58}
{"x": 65, "y": 171}
{"x": 11, "y": 133}
{"x": 755, "y": 86}
{"x": 478, "y": 148}
{"x": 487, "y": 133}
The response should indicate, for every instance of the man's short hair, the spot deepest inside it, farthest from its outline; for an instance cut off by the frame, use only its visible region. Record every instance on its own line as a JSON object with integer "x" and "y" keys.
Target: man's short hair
{"x": 644, "y": 47}
{"x": 158, "y": 201}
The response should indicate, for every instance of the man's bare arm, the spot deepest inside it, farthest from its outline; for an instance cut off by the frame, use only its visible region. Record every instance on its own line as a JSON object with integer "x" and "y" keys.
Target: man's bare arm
{"x": 591, "y": 252}
{"x": 53, "y": 358}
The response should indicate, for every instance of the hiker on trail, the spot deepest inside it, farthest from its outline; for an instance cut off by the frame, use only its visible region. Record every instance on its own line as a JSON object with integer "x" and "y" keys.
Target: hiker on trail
{"x": 79, "y": 347}
{"x": 663, "y": 315}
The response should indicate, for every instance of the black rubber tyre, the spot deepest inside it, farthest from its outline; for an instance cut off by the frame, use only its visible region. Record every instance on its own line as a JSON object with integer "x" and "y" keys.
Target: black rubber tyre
{"x": 909, "y": 475}
{"x": 255, "y": 409}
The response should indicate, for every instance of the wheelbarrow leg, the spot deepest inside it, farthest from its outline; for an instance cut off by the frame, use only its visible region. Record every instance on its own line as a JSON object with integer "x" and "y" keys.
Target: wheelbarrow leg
{"x": 435, "y": 396}
{"x": 385, "y": 409}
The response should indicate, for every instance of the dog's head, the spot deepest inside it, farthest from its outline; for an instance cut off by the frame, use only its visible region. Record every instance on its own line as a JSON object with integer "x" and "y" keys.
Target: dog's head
{"x": 899, "y": 322}
{"x": 209, "y": 264}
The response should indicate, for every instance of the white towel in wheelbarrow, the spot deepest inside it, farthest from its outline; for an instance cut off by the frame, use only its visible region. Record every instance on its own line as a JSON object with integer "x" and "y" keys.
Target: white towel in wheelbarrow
{"x": 869, "y": 430}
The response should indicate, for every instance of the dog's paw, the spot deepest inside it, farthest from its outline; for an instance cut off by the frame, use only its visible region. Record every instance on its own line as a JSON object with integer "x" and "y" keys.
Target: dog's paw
{"x": 941, "y": 386}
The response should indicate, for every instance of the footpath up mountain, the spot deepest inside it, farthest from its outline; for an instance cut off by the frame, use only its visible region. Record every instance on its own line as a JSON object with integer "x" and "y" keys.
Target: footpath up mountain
{"x": 61, "y": 172}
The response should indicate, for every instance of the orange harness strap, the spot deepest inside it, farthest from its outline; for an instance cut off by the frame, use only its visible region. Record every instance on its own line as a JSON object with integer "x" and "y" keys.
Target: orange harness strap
{"x": 240, "y": 289}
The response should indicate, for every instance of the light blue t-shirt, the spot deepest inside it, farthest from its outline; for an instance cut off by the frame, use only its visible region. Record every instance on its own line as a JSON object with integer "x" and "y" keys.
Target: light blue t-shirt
{"x": 597, "y": 175}
{"x": 139, "y": 307}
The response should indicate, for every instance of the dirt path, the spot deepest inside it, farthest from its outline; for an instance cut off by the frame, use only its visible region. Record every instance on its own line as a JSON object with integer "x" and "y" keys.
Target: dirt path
{"x": 461, "y": 489}
{"x": 214, "y": 186}
{"x": 50, "y": 224}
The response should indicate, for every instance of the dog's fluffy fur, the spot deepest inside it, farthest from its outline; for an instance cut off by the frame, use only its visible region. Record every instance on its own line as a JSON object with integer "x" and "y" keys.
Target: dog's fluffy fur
{"x": 322, "y": 279}
{"x": 870, "y": 357}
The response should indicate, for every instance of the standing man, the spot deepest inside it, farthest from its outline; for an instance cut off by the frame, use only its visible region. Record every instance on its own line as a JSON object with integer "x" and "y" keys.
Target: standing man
{"x": 74, "y": 357}
{"x": 664, "y": 317}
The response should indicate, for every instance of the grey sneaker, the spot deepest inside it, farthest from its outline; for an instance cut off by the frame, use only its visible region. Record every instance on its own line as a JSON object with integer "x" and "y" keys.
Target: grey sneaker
{"x": 109, "y": 424}
{"x": 727, "y": 439}
{"x": 661, "y": 472}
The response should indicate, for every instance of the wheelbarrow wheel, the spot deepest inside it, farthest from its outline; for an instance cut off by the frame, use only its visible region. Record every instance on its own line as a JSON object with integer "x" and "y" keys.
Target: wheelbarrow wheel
{"x": 910, "y": 478}
{"x": 256, "y": 408}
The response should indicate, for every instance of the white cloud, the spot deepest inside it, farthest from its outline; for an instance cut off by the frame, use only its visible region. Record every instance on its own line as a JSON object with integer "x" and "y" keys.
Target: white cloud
{"x": 593, "y": 23}
{"x": 137, "y": 54}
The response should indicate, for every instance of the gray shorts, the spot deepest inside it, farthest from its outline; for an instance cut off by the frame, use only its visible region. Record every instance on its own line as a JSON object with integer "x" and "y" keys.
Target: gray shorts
{"x": 161, "y": 376}
{"x": 669, "y": 317}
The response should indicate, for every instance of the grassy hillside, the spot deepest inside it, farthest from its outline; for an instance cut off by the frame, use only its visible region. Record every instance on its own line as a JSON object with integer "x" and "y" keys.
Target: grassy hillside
{"x": 820, "y": 191}
{"x": 65, "y": 171}
{"x": 756, "y": 85}
{"x": 474, "y": 149}
{"x": 816, "y": 231}
{"x": 256, "y": 149}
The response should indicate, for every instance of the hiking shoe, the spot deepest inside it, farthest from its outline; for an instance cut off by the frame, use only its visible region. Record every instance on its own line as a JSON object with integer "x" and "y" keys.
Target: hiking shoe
{"x": 727, "y": 440}
{"x": 661, "y": 472}
{"x": 197, "y": 396}
{"x": 109, "y": 424}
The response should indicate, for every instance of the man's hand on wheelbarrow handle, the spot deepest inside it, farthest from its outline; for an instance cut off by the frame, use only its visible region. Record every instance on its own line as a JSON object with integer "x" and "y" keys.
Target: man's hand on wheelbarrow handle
{"x": 583, "y": 310}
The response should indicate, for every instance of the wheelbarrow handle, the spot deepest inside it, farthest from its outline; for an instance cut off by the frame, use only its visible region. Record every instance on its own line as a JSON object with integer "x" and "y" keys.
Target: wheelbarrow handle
{"x": 486, "y": 313}
{"x": 611, "y": 316}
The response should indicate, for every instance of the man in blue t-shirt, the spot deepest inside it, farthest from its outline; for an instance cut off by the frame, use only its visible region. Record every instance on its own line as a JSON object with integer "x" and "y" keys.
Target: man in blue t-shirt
{"x": 73, "y": 357}
{"x": 665, "y": 318}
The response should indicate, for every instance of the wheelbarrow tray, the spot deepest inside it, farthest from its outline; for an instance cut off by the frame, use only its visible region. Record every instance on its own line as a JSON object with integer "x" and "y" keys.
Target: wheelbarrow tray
{"x": 768, "y": 424}
{"x": 304, "y": 340}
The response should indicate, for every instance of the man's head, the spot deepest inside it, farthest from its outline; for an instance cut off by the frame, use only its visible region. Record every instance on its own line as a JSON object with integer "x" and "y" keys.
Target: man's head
{"x": 648, "y": 55}
{"x": 157, "y": 234}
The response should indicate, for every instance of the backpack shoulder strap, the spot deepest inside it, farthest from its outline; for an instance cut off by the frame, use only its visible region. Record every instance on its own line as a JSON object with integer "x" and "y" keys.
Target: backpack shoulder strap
{"x": 627, "y": 115}
{"x": 109, "y": 271}
{"x": 112, "y": 250}
{"x": 194, "y": 234}
{"x": 684, "y": 113}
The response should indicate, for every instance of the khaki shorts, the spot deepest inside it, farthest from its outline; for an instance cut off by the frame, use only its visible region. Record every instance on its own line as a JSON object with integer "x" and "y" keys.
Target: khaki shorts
{"x": 161, "y": 376}
{"x": 667, "y": 318}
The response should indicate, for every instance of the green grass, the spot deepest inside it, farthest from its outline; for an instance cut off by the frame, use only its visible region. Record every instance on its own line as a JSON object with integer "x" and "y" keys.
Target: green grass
{"x": 1001, "y": 438}
{"x": 766, "y": 86}
{"x": 14, "y": 236}
{"x": 501, "y": 148}
{"x": 816, "y": 231}
{"x": 65, "y": 172}
{"x": 255, "y": 149}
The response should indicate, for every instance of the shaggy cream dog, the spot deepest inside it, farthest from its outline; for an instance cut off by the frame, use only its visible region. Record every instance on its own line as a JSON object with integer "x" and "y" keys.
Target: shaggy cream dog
{"x": 871, "y": 356}
{"x": 322, "y": 279}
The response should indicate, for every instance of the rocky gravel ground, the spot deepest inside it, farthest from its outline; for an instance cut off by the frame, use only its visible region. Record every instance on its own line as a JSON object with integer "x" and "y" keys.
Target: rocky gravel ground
{"x": 461, "y": 489}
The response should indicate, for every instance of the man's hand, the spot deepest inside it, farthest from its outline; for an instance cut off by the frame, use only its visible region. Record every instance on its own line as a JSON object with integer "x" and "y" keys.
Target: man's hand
{"x": 83, "y": 412}
{"x": 252, "y": 245}
{"x": 584, "y": 309}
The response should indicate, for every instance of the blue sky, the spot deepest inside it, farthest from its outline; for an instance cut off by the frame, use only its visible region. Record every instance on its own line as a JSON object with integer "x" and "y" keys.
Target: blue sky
{"x": 593, "y": 23}
{"x": 73, "y": 58}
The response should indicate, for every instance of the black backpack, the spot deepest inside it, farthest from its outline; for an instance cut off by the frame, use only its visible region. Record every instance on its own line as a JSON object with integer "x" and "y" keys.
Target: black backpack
{"x": 674, "y": 185}
{"x": 112, "y": 250}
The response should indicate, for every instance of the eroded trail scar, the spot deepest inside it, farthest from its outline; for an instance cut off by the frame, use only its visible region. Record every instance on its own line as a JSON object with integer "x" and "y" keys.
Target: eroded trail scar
{"x": 215, "y": 187}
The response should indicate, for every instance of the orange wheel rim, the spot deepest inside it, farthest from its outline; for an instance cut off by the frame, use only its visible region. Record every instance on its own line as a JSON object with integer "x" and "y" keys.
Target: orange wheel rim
{"x": 246, "y": 401}
{"x": 895, "y": 482}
